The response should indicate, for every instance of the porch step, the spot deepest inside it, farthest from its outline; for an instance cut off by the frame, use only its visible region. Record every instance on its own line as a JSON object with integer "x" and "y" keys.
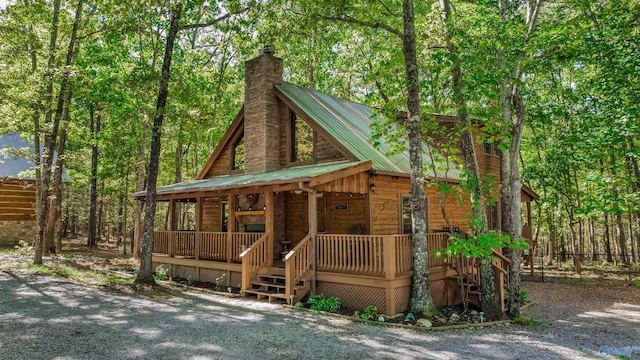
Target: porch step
{"x": 261, "y": 294}
{"x": 273, "y": 286}
{"x": 268, "y": 284}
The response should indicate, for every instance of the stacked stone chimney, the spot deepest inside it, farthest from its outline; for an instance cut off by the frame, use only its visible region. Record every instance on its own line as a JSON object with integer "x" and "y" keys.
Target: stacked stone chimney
{"x": 261, "y": 115}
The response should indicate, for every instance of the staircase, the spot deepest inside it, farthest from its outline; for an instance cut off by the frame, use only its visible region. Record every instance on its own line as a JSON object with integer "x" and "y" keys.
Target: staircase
{"x": 467, "y": 277}
{"x": 271, "y": 284}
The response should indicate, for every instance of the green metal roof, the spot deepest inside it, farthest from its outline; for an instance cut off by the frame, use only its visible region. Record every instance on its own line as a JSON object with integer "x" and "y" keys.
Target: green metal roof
{"x": 350, "y": 124}
{"x": 287, "y": 175}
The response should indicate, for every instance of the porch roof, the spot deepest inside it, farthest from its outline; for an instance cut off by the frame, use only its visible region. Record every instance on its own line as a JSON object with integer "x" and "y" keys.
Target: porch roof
{"x": 282, "y": 176}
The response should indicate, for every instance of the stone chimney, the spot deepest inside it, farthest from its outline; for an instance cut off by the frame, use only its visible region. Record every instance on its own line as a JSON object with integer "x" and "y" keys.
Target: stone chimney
{"x": 261, "y": 115}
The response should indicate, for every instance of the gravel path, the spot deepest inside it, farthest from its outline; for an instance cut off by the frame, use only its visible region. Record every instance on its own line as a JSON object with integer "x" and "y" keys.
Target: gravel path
{"x": 47, "y": 318}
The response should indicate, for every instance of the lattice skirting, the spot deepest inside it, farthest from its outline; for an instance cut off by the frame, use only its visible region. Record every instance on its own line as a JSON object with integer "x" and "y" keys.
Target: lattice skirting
{"x": 210, "y": 275}
{"x": 402, "y": 298}
{"x": 355, "y": 296}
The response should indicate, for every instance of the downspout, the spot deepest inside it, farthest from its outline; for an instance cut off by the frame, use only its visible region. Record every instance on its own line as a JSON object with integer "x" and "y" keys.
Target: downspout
{"x": 313, "y": 230}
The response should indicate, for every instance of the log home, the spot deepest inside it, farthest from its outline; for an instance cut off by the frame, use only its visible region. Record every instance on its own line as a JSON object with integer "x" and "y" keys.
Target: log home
{"x": 17, "y": 192}
{"x": 296, "y": 199}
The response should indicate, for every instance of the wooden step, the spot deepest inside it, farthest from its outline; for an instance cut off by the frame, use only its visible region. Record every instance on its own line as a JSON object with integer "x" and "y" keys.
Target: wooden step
{"x": 273, "y": 277}
{"x": 260, "y": 294}
{"x": 268, "y": 284}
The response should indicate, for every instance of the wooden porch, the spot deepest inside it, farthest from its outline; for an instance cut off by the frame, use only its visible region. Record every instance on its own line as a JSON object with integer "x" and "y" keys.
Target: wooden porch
{"x": 365, "y": 269}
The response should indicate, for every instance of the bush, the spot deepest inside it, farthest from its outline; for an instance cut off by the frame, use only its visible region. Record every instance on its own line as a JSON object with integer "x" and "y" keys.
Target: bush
{"x": 161, "y": 272}
{"x": 220, "y": 283}
{"x": 24, "y": 248}
{"x": 369, "y": 313}
{"x": 318, "y": 302}
{"x": 191, "y": 279}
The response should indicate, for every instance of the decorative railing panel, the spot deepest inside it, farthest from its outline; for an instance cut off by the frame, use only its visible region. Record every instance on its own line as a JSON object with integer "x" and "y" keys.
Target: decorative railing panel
{"x": 242, "y": 241}
{"x": 255, "y": 258}
{"x": 184, "y": 243}
{"x": 297, "y": 264}
{"x": 350, "y": 253}
{"x": 212, "y": 246}
{"x": 161, "y": 242}
{"x": 404, "y": 258}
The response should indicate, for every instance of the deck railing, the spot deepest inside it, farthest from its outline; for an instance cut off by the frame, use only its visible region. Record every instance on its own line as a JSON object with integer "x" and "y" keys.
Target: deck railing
{"x": 436, "y": 241}
{"x": 255, "y": 258}
{"x": 297, "y": 265}
{"x": 216, "y": 246}
{"x": 350, "y": 253}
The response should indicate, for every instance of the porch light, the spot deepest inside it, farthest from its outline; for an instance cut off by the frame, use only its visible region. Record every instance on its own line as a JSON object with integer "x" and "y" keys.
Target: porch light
{"x": 372, "y": 187}
{"x": 264, "y": 208}
{"x": 297, "y": 192}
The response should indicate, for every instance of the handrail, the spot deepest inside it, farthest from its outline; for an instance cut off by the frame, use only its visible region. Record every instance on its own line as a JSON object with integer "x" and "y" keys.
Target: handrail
{"x": 255, "y": 258}
{"x": 297, "y": 264}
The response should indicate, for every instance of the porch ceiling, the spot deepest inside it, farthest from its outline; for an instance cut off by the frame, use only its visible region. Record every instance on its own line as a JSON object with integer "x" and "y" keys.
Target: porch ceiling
{"x": 319, "y": 172}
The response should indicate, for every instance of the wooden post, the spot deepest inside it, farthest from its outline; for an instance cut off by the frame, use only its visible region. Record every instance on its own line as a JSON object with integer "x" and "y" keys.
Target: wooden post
{"x": 313, "y": 232}
{"x": 500, "y": 287}
{"x": 172, "y": 225}
{"x": 198, "y": 230}
{"x": 269, "y": 226}
{"x": 532, "y": 247}
{"x": 231, "y": 223}
{"x": 389, "y": 266}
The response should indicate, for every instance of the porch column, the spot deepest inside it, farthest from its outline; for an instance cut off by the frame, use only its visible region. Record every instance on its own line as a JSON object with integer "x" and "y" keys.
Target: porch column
{"x": 313, "y": 233}
{"x": 172, "y": 224}
{"x": 231, "y": 223}
{"x": 269, "y": 225}
{"x": 198, "y": 229}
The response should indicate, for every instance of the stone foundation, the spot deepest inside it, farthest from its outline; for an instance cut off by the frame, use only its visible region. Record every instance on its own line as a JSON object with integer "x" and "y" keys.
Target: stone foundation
{"x": 11, "y": 232}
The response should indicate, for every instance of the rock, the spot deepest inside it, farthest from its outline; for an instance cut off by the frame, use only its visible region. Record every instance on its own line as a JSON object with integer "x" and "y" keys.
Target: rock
{"x": 424, "y": 323}
{"x": 473, "y": 312}
{"x": 299, "y": 304}
{"x": 380, "y": 318}
{"x": 442, "y": 320}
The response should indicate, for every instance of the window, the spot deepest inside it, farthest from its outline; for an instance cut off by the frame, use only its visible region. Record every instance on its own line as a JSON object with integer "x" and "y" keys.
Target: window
{"x": 493, "y": 216}
{"x": 487, "y": 148}
{"x": 225, "y": 216}
{"x": 406, "y": 214}
{"x": 301, "y": 139}
{"x": 238, "y": 154}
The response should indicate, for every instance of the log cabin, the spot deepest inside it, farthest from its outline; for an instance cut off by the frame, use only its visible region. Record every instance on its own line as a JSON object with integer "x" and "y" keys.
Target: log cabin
{"x": 296, "y": 199}
{"x": 17, "y": 191}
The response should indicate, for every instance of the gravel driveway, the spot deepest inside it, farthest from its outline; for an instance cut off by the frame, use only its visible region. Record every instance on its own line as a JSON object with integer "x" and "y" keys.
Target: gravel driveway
{"x": 48, "y": 318}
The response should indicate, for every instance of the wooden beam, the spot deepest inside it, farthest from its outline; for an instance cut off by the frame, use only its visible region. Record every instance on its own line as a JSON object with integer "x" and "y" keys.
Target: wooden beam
{"x": 21, "y": 217}
{"x": 342, "y": 173}
{"x": 269, "y": 225}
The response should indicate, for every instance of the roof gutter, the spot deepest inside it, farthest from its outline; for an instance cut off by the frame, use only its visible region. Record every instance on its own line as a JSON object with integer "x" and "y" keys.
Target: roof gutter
{"x": 313, "y": 230}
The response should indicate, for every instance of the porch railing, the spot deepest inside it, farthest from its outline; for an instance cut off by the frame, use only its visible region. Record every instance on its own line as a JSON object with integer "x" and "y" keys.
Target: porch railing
{"x": 255, "y": 258}
{"x": 350, "y": 253}
{"x": 297, "y": 265}
{"x": 216, "y": 246}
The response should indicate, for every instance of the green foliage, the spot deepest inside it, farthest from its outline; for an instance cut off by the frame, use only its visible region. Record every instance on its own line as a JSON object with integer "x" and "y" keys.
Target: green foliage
{"x": 318, "y": 302}
{"x": 369, "y": 313}
{"x": 161, "y": 272}
{"x": 191, "y": 279}
{"x": 220, "y": 283}
{"x": 24, "y": 248}
{"x": 523, "y": 296}
{"x": 526, "y": 321}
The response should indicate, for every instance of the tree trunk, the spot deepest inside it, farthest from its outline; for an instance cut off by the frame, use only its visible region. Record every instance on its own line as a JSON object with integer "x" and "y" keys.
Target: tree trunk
{"x": 607, "y": 239}
{"x": 592, "y": 240}
{"x": 490, "y": 301}
{"x": 137, "y": 220}
{"x": 92, "y": 240}
{"x": 421, "y": 299}
{"x": 145, "y": 273}
{"x": 52, "y": 133}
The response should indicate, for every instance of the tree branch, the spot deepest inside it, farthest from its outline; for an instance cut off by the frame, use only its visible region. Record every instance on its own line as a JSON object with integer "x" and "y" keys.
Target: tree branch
{"x": 373, "y": 25}
{"x": 214, "y": 21}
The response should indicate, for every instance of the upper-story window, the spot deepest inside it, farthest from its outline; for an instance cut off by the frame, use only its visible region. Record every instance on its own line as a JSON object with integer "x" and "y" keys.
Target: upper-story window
{"x": 493, "y": 216}
{"x": 237, "y": 158}
{"x": 301, "y": 139}
{"x": 491, "y": 148}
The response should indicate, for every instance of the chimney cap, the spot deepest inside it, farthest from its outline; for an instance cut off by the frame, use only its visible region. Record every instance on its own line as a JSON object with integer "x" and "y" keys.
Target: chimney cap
{"x": 268, "y": 49}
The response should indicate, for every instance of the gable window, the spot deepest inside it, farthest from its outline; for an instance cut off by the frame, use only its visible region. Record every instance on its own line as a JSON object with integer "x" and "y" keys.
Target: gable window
{"x": 301, "y": 139}
{"x": 406, "y": 214}
{"x": 237, "y": 158}
{"x": 491, "y": 149}
{"x": 224, "y": 211}
{"x": 493, "y": 216}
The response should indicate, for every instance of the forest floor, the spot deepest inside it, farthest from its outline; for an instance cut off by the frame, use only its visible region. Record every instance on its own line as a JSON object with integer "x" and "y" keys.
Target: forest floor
{"x": 67, "y": 310}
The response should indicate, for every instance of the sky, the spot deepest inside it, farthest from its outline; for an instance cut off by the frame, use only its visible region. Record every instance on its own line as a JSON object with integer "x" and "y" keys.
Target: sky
{"x": 3, "y": 4}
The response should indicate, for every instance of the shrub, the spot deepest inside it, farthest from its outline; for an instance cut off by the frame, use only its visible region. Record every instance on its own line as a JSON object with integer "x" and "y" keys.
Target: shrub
{"x": 220, "y": 283}
{"x": 318, "y": 302}
{"x": 24, "y": 248}
{"x": 369, "y": 313}
{"x": 191, "y": 279}
{"x": 161, "y": 272}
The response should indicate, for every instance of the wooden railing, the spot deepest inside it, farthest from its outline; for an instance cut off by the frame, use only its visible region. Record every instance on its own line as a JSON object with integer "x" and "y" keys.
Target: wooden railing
{"x": 404, "y": 257}
{"x": 216, "y": 246}
{"x": 350, "y": 253}
{"x": 255, "y": 258}
{"x": 212, "y": 246}
{"x": 297, "y": 265}
{"x": 436, "y": 241}
{"x": 161, "y": 242}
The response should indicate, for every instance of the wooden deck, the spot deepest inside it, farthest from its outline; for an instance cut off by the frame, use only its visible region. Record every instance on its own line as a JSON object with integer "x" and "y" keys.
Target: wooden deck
{"x": 368, "y": 269}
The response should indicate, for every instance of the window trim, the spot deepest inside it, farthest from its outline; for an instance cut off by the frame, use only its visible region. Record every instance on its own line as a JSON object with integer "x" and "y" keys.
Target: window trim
{"x": 401, "y": 203}
{"x": 232, "y": 163}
